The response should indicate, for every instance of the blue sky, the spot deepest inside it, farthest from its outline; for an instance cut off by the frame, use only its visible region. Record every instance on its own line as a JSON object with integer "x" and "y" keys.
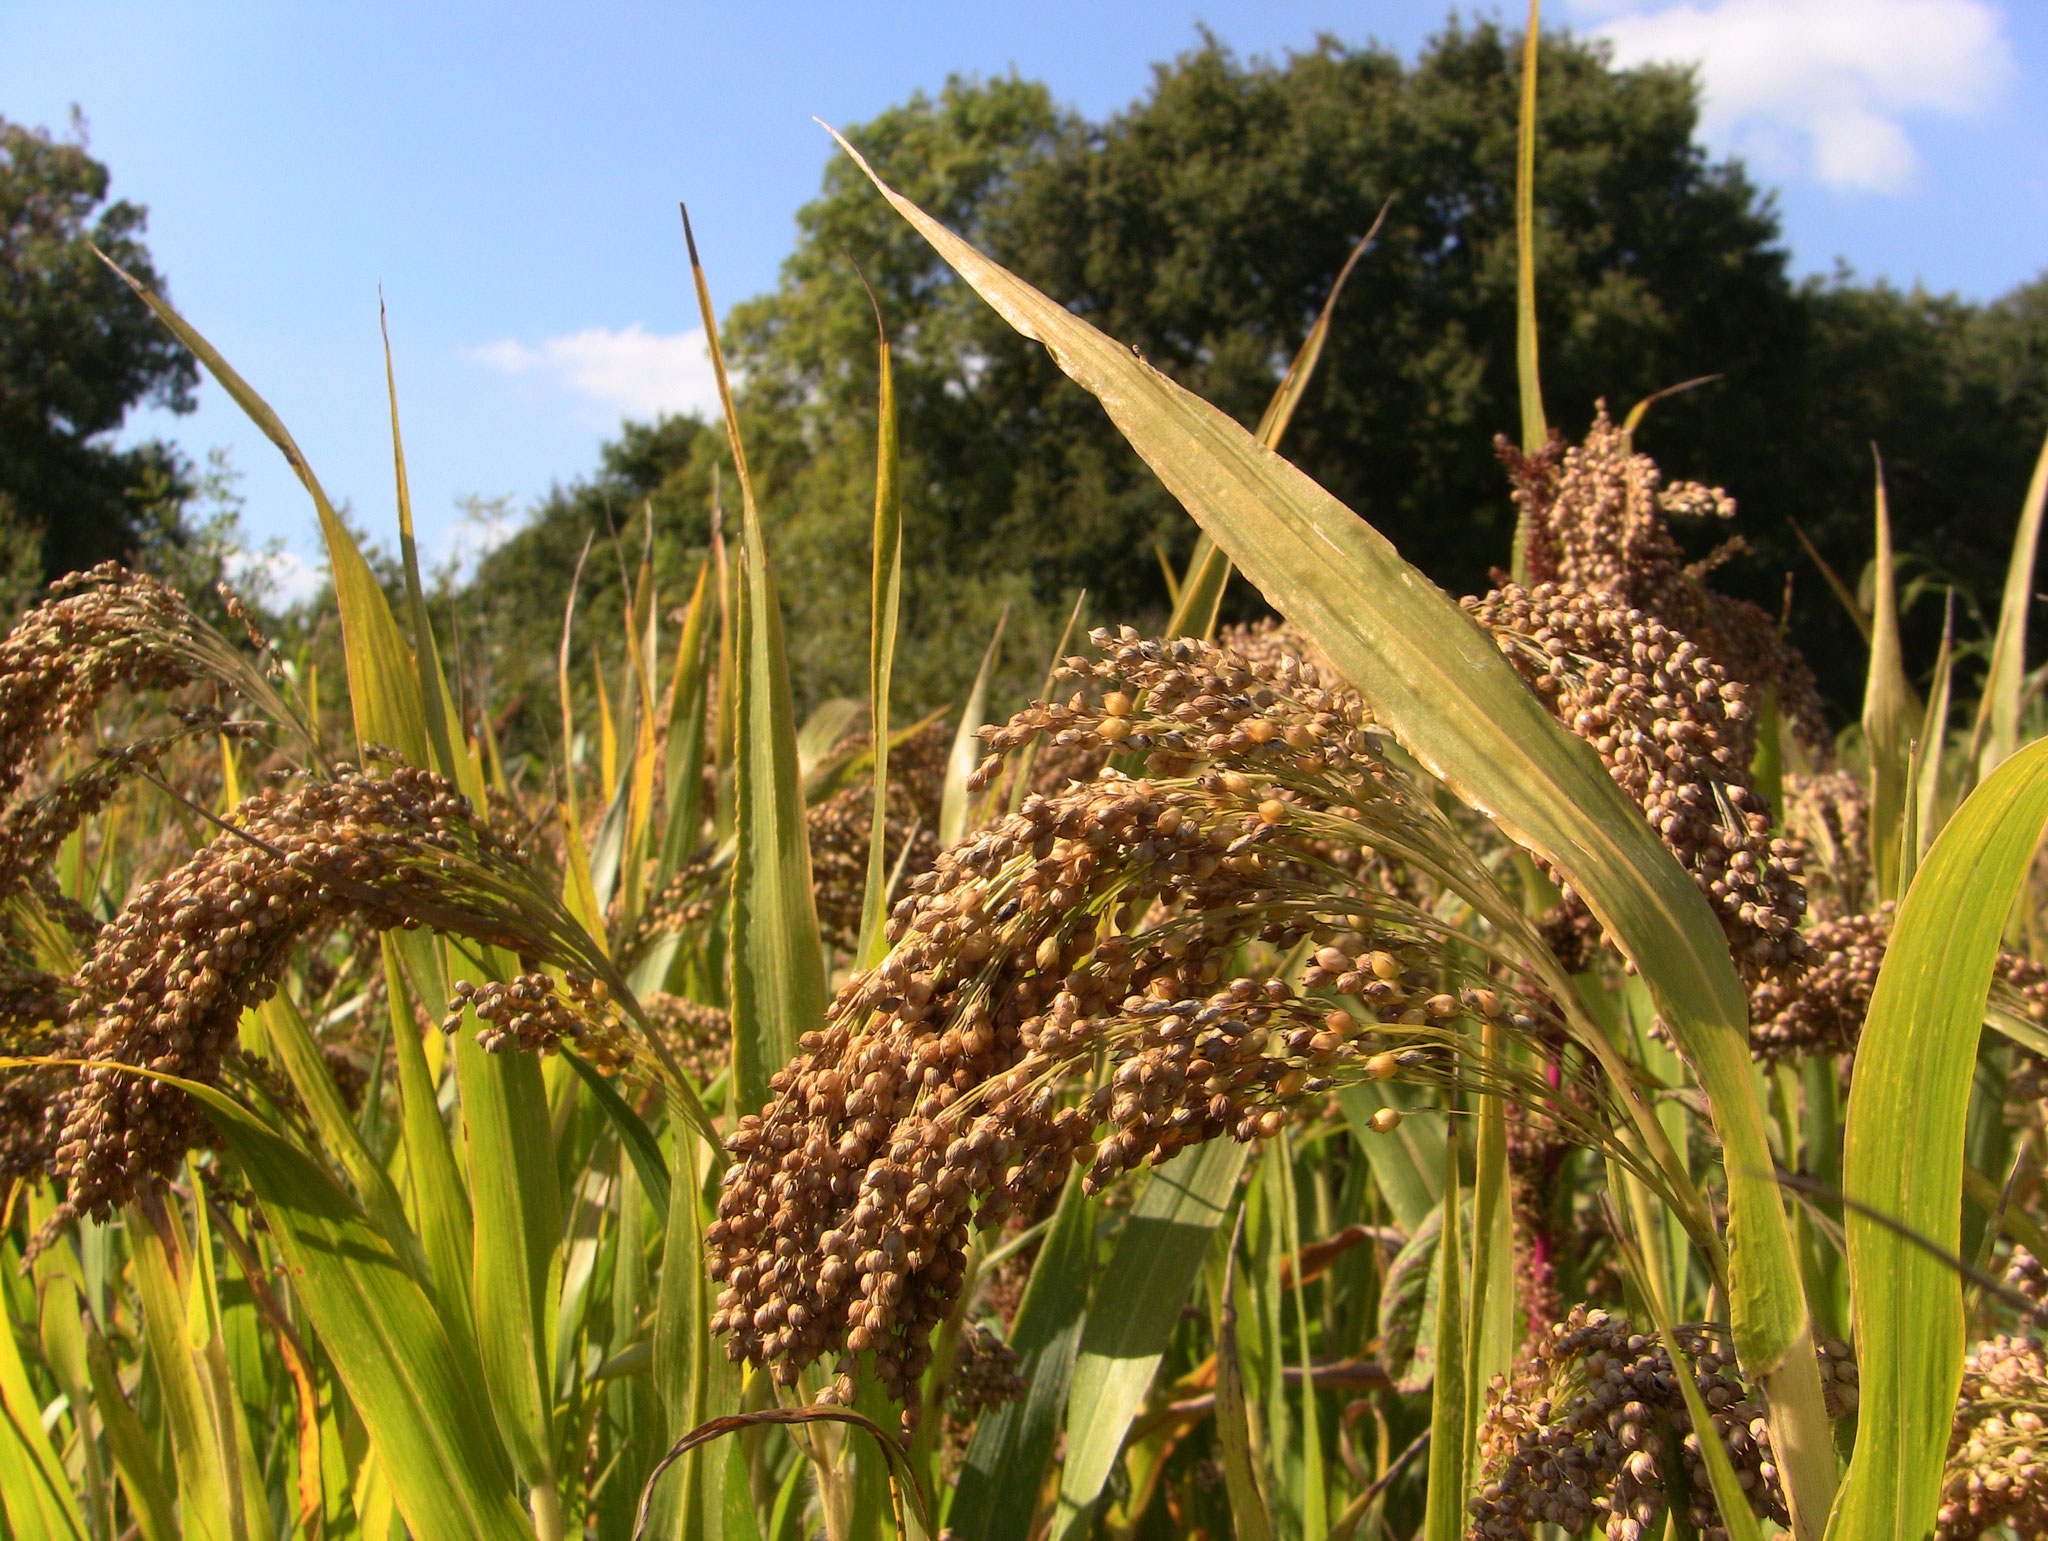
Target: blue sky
{"x": 510, "y": 175}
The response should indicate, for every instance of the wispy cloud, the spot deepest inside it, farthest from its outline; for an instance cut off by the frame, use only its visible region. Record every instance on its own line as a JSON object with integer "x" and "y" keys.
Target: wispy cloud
{"x": 275, "y": 575}
{"x": 1827, "y": 87}
{"x": 631, "y": 370}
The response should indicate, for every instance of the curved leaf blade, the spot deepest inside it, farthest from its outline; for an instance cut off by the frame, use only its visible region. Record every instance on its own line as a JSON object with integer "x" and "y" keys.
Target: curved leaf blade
{"x": 1440, "y": 684}
{"x": 1903, "y": 1154}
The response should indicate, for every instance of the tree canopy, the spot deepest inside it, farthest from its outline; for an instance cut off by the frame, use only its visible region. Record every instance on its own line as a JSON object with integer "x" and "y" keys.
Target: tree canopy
{"x": 77, "y": 352}
{"x": 1204, "y": 226}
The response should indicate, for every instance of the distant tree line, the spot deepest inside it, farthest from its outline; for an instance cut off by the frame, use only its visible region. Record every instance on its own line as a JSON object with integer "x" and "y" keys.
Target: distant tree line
{"x": 1204, "y": 226}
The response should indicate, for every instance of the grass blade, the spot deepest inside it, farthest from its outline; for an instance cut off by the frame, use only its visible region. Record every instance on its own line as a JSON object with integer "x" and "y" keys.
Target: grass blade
{"x": 439, "y": 710}
{"x": 440, "y": 1201}
{"x": 638, "y": 1141}
{"x": 1233, "y": 1423}
{"x": 383, "y": 685}
{"x": 1903, "y": 1152}
{"x": 777, "y": 961}
{"x": 965, "y": 754}
{"x": 296, "y": 1051}
{"x": 150, "y": 1498}
{"x": 1137, "y": 1305}
{"x": 1198, "y": 598}
{"x": 1933, "y": 743}
{"x": 692, "y": 1375}
{"x": 206, "y": 1498}
{"x": 1441, "y": 686}
{"x": 34, "y": 1489}
{"x": 1997, "y": 734}
{"x": 688, "y": 714}
{"x": 1013, "y": 1444}
{"x": 382, "y": 1336}
{"x": 885, "y": 598}
{"x": 1891, "y": 714}
{"x": 1450, "y": 1411}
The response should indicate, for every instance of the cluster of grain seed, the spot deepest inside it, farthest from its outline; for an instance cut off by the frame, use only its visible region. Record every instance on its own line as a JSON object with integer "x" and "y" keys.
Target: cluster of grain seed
{"x": 1593, "y": 1428}
{"x": 1997, "y": 1471}
{"x": 1182, "y": 702}
{"x": 2028, "y": 1275}
{"x": 1597, "y": 516}
{"x": 1830, "y": 814}
{"x": 528, "y": 1012}
{"x": 33, "y": 827}
{"x": 167, "y": 980}
{"x": 1097, "y": 924}
{"x": 1597, "y": 511}
{"x": 1674, "y": 734}
{"x": 104, "y": 630}
{"x": 842, "y": 828}
{"x": 685, "y": 900}
{"x": 985, "y": 1373}
{"x": 1822, "y": 1011}
{"x": 699, "y": 1036}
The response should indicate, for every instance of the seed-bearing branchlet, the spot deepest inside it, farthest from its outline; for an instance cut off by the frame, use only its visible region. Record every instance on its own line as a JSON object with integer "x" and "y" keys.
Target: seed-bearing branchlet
{"x": 167, "y": 980}
{"x": 699, "y": 1036}
{"x": 529, "y": 1012}
{"x": 842, "y": 825}
{"x": 1593, "y": 1427}
{"x": 1997, "y": 1471}
{"x": 1597, "y": 515}
{"x": 1822, "y": 1011}
{"x": 984, "y": 1374}
{"x": 1674, "y": 734}
{"x": 1100, "y": 926}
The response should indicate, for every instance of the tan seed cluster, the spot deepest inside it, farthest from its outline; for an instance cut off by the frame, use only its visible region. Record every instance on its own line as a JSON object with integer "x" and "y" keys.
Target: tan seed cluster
{"x": 699, "y": 1036}
{"x": 1598, "y": 515}
{"x": 1097, "y": 925}
{"x": 528, "y": 1012}
{"x": 1594, "y": 1427}
{"x": 1822, "y": 1011}
{"x": 2028, "y": 1275}
{"x": 167, "y": 980}
{"x": 842, "y": 827}
{"x": 985, "y": 1373}
{"x": 684, "y": 901}
{"x": 1674, "y": 734}
{"x": 1830, "y": 813}
{"x": 1997, "y": 1471}
{"x": 104, "y": 630}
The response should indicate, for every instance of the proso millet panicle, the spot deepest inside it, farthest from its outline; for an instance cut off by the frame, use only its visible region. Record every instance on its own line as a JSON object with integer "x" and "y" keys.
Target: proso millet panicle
{"x": 1997, "y": 1471}
{"x": 168, "y": 979}
{"x": 1674, "y": 733}
{"x": 1598, "y": 522}
{"x": 104, "y": 630}
{"x": 1593, "y": 1428}
{"x": 1095, "y": 923}
{"x": 1822, "y": 1011}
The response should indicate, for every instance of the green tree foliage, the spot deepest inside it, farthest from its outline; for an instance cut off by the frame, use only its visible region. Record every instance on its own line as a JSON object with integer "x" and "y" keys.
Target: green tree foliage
{"x": 77, "y": 351}
{"x": 1205, "y": 225}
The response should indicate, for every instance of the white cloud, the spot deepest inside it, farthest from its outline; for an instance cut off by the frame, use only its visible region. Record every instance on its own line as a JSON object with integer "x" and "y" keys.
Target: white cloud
{"x": 1825, "y": 85}
{"x": 276, "y": 575}
{"x": 632, "y": 370}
